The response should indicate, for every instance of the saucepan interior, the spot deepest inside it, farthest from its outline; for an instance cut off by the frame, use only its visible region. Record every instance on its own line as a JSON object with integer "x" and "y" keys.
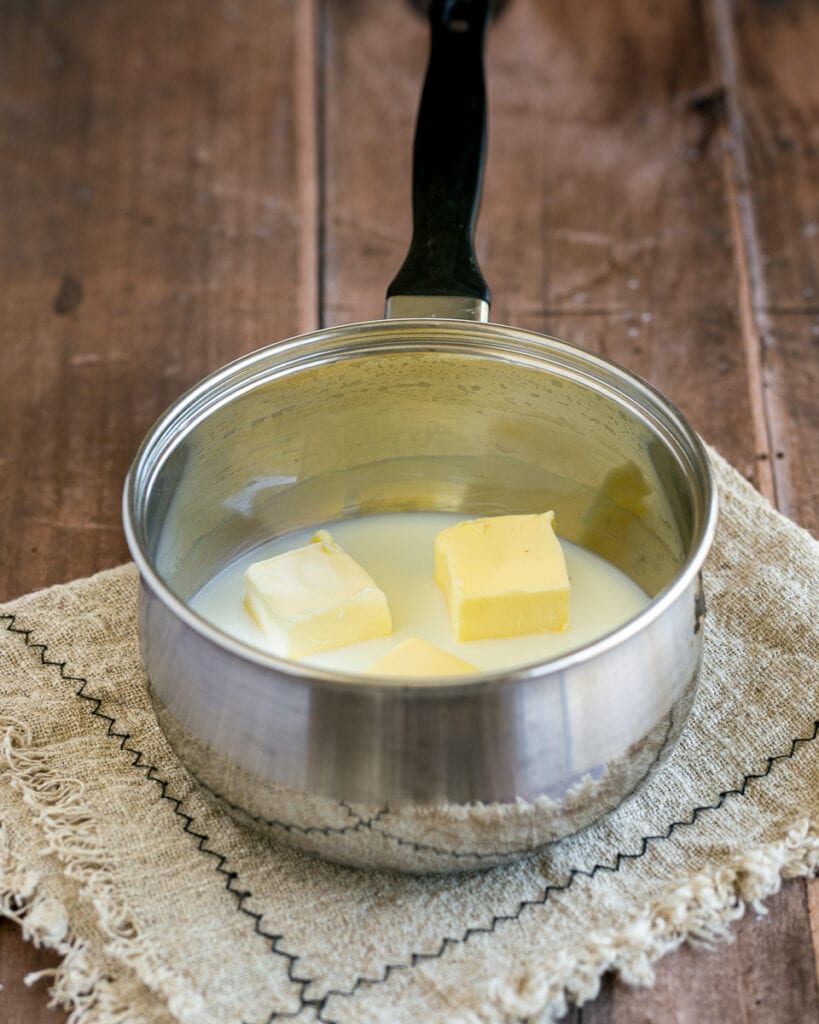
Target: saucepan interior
{"x": 396, "y": 416}
{"x": 419, "y": 415}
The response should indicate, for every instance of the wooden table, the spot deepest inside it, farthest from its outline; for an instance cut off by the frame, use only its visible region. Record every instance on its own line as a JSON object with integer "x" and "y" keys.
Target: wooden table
{"x": 187, "y": 180}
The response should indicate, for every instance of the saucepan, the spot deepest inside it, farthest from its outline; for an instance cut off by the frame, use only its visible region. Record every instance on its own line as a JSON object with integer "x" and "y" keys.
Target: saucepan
{"x": 431, "y": 408}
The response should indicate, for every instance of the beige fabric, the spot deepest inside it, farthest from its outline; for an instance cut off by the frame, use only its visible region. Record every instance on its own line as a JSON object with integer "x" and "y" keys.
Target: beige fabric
{"x": 168, "y": 910}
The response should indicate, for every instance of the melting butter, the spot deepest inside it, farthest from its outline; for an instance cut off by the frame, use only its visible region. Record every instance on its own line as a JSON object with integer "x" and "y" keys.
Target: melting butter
{"x": 314, "y": 598}
{"x": 503, "y": 576}
{"x": 397, "y": 550}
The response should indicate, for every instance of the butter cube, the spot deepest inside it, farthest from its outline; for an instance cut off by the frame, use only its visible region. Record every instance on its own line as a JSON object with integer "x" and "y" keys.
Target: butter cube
{"x": 416, "y": 657}
{"x": 314, "y": 599}
{"x": 503, "y": 576}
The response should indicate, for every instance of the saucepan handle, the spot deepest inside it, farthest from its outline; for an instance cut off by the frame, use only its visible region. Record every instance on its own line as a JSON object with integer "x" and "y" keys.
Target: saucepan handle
{"x": 440, "y": 275}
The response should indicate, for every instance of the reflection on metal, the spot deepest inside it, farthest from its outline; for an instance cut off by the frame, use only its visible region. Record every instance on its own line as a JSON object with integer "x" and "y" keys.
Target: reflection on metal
{"x": 420, "y": 414}
{"x": 444, "y": 307}
{"x": 613, "y": 525}
{"x": 420, "y": 839}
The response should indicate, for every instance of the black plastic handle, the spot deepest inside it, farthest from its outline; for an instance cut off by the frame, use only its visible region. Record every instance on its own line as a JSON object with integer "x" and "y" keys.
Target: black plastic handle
{"x": 450, "y": 138}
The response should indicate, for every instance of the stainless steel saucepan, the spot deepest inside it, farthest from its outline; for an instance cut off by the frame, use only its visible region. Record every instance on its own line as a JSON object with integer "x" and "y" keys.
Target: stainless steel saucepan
{"x": 431, "y": 408}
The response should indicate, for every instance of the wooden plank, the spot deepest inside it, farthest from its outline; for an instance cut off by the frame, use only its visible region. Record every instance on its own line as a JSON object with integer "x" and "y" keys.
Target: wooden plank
{"x": 160, "y": 218}
{"x": 766, "y": 57}
{"x": 606, "y": 219}
{"x": 776, "y": 81}
{"x": 766, "y": 974}
{"x": 792, "y": 386}
{"x": 768, "y": 78}
{"x": 374, "y": 58}
{"x": 767, "y": 81}
{"x": 813, "y": 912}
{"x": 20, "y": 1003}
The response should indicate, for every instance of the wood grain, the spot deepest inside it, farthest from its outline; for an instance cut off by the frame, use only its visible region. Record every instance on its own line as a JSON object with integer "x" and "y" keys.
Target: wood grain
{"x": 606, "y": 220}
{"x": 236, "y": 172}
{"x": 610, "y": 216}
{"x": 21, "y": 1003}
{"x": 375, "y": 55}
{"x": 776, "y": 88}
{"x": 159, "y": 218}
{"x": 744, "y": 982}
{"x": 768, "y": 66}
{"x": 604, "y": 216}
{"x": 813, "y": 911}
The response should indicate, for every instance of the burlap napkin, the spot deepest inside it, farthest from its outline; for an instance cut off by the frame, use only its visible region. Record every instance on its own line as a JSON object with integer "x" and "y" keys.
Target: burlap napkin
{"x": 166, "y": 909}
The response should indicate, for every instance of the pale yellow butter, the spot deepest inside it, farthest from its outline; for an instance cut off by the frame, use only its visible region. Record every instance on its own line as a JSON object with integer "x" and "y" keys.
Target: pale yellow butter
{"x": 503, "y": 576}
{"x": 315, "y": 598}
{"x": 416, "y": 657}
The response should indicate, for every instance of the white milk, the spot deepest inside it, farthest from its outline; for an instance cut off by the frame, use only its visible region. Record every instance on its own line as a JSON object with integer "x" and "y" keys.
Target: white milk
{"x": 397, "y": 551}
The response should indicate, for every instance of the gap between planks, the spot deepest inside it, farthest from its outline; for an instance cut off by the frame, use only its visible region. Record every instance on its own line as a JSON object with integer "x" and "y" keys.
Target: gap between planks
{"x": 320, "y": 37}
{"x": 308, "y": 102}
{"x": 751, "y": 287}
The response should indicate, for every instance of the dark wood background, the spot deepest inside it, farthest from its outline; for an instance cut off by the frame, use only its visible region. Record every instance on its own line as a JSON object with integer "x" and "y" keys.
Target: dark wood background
{"x": 185, "y": 180}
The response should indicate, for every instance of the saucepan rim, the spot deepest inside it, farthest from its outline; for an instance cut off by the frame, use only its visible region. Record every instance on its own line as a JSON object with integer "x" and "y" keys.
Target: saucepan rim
{"x": 237, "y": 377}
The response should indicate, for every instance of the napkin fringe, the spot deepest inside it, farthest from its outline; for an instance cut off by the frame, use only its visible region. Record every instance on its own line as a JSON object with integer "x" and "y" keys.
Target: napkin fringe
{"x": 79, "y": 986}
{"x": 72, "y": 833}
{"x": 699, "y": 911}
